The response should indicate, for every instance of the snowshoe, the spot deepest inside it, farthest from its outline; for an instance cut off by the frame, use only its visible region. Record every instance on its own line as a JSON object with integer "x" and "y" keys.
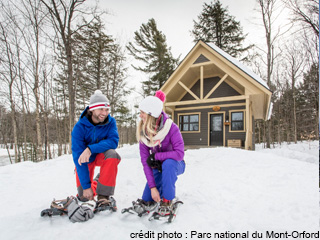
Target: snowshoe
{"x": 57, "y": 207}
{"x": 140, "y": 207}
{"x": 106, "y": 204}
{"x": 166, "y": 211}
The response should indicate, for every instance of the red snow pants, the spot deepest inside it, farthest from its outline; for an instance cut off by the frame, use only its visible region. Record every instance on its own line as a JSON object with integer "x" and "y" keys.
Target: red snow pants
{"x": 105, "y": 182}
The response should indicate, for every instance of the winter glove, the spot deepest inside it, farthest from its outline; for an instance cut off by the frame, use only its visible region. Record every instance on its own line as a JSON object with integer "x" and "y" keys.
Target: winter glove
{"x": 153, "y": 163}
{"x": 77, "y": 213}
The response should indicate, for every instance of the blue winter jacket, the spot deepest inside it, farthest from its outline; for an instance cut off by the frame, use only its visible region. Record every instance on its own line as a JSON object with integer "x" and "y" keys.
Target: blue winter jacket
{"x": 99, "y": 139}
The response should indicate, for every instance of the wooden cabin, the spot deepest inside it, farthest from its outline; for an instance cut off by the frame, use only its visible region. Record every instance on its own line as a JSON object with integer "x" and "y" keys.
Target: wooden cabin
{"x": 215, "y": 99}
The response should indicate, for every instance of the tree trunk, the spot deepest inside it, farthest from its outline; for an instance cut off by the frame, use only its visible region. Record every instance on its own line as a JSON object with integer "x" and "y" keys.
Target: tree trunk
{"x": 71, "y": 92}
{"x": 14, "y": 124}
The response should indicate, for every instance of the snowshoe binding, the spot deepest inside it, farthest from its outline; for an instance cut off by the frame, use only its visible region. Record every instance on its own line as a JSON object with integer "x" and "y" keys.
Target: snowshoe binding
{"x": 104, "y": 204}
{"x": 140, "y": 207}
{"x": 57, "y": 207}
{"x": 166, "y": 211}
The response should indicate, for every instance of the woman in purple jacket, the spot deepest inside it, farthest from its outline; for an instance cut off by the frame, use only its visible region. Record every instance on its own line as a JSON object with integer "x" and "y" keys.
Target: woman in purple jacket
{"x": 161, "y": 150}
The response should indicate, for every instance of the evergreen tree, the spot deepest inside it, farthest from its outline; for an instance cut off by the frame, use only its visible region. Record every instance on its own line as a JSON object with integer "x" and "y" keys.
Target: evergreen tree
{"x": 92, "y": 53}
{"x": 307, "y": 109}
{"x": 99, "y": 64}
{"x": 308, "y": 103}
{"x": 150, "y": 47}
{"x": 115, "y": 80}
{"x": 216, "y": 25}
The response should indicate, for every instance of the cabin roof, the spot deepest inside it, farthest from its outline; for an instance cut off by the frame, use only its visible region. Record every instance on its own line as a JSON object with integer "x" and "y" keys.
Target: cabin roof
{"x": 238, "y": 64}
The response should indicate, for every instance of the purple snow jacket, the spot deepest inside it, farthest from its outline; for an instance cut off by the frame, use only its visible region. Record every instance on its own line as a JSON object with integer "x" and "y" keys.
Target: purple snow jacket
{"x": 172, "y": 147}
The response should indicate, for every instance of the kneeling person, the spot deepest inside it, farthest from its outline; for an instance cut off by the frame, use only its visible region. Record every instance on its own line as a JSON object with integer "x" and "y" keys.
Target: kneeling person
{"x": 94, "y": 140}
{"x": 162, "y": 152}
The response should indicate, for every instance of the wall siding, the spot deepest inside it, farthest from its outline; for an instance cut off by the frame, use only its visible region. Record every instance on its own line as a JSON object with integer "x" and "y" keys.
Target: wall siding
{"x": 201, "y": 138}
{"x": 201, "y": 59}
{"x": 224, "y": 90}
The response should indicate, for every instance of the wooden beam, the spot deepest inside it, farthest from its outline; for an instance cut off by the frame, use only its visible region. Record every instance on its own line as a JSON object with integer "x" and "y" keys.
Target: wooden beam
{"x": 216, "y": 86}
{"x": 188, "y": 90}
{"x": 210, "y": 100}
{"x": 169, "y": 109}
{"x": 247, "y": 142}
{"x": 196, "y": 65}
{"x": 201, "y": 82}
{"x": 211, "y": 106}
{"x": 239, "y": 90}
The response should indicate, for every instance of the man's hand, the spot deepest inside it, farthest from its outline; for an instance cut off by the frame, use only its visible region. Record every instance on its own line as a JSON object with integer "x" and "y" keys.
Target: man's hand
{"x": 88, "y": 193}
{"x": 84, "y": 157}
{"x": 155, "y": 194}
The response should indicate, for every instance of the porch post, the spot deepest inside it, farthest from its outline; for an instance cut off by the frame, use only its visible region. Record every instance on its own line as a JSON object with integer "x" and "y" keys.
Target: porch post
{"x": 201, "y": 82}
{"x": 247, "y": 141}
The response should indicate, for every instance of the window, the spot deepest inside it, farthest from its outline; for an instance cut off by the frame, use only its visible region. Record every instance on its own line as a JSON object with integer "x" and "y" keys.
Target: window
{"x": 237, "y": 123}
{"x": 189, "y": 123}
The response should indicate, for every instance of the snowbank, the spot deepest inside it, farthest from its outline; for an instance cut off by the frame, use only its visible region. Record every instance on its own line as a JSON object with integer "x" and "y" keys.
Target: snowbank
{"x": 224, "y": 190}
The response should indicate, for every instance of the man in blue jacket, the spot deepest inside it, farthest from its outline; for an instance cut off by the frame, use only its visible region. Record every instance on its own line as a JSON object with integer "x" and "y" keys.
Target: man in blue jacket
{"x": 94, "y": 140}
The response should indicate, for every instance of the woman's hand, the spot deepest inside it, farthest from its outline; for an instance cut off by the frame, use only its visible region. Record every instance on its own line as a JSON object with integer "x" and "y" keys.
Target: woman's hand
{"x": 155, "y": 194}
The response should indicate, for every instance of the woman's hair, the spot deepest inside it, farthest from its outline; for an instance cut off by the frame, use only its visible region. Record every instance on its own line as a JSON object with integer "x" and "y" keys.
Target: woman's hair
{"x": 147, "y": 128}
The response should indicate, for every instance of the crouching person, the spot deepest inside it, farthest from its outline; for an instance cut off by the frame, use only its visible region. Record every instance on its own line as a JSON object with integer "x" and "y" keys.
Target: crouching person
{"x": 162, "y": 151}
{"x": 94, "y": 140}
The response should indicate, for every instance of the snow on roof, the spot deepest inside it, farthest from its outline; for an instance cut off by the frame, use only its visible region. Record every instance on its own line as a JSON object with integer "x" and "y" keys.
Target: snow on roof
{"x": 239, "y": 65}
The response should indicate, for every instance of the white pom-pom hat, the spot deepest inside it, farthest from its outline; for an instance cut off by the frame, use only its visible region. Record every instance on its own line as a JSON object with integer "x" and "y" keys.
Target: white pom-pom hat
{"x": 98, "y": 100}
{"x": 153, "y": 105}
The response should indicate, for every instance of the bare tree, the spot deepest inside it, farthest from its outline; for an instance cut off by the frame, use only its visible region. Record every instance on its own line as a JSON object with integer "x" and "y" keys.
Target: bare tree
{"x": 267, "y": 10}
{"x": 294, "y": 60}
{"x": 9, "y": 74}
{"x": 62, "y": 13}
{"x": 305, "y": 12}
{"x": 31, "y": 13}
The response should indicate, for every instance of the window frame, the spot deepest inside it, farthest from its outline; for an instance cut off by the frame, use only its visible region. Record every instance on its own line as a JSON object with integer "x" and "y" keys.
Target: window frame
{"x": 243, "y": 120}
{"x": 189, "y": 114}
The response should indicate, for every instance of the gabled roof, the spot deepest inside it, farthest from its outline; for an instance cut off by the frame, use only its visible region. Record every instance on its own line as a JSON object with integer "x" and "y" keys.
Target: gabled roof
{"x": 238, "y": 64}
{"x": 227, "y": 57}
{"x": 214, "y": 61}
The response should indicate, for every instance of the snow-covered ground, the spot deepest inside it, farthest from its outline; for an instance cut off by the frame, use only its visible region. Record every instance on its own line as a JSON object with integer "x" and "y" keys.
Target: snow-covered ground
{"x": 224, "y": 190}
{"x": 4, "y": 157}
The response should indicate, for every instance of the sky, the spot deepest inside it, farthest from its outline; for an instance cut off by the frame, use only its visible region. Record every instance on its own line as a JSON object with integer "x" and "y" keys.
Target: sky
{"x": 174, "y": 18}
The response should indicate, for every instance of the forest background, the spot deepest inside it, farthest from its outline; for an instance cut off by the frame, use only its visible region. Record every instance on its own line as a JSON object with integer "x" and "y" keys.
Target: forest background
{"x": 55, "y": 53}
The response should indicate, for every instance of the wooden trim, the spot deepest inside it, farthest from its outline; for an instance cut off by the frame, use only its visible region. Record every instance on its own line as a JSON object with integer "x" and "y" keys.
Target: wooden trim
{"x": 210, "y": 100}
{"x": 169, "y": 109}
{"x": 201, "y": 82}
{"x": 188, "y": 90}
{"x": 236, "y": 69}
{"x": 216, "y": 86}
{"x": 268, "y": 106}
{"x": 244, "y": 120}
{"x": 196, "y": 65}
{"x": 229, "y": 82}
{"x": 224, "y": 127}
{"x": 189, "y": 113}
{"x": 196, "y": 78}
{"x": 247, "y": 124}
{"x": 247, "y": 84}
{"x": 210, "y": 106}
{"x": 181, "y": 69}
